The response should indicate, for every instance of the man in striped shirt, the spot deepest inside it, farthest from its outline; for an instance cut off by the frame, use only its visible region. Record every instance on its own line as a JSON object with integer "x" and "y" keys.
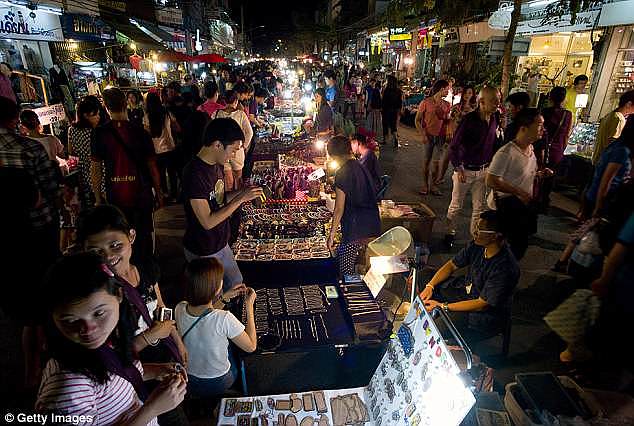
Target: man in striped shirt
{"x": 30, "y": 224}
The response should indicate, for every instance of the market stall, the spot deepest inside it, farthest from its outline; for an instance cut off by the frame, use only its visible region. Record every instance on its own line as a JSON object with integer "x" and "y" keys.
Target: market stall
{"x": 417, "y": 381}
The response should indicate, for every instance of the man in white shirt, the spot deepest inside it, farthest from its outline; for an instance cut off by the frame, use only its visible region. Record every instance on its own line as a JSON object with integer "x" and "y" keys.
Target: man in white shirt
{"x": 511, "y": 176}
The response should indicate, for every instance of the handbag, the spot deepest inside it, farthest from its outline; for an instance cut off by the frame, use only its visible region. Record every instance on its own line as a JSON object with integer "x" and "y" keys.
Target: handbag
{"x": 515, "y": 214}
{"x": 575, "y": 316}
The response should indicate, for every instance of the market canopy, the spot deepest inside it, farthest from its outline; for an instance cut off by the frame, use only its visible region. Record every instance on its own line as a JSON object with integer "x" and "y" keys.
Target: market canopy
{"x": 210, "y": 58}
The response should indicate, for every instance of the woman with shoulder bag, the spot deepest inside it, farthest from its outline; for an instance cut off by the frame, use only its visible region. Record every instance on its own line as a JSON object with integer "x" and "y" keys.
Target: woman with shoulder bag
{"x": 158, "y": 121}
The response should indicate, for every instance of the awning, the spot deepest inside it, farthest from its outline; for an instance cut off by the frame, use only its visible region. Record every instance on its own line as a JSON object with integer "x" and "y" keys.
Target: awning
{"x": 124, "y": 27}
{"x": 152, "y": 30}
{"x": 210, "y": 58}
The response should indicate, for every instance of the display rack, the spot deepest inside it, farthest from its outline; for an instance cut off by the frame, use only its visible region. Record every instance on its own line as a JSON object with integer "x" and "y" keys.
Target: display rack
{"x": 417, "y": 382}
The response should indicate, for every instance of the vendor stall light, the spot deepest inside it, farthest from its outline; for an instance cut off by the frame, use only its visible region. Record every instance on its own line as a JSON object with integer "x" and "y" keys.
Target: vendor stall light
{"x": 320, "y": 144}
{"x": 133, "y": 46}
{"x": 203, "y": 75}
{"x": 195, "y": 66}
{"x": 333, "y": 165}
{"x": 213, "y": 72}
{"x": 308, "y": 86}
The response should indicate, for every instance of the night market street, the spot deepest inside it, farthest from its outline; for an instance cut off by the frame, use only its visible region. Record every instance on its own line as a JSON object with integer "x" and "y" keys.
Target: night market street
{"x": 324, "y": 213}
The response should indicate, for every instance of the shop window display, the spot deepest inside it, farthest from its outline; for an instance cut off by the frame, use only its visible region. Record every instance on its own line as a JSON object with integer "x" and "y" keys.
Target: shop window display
{"x": 558, "y": 58}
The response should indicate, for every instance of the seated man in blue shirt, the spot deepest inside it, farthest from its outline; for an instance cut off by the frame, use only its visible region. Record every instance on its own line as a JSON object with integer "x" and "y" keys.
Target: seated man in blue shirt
{"x": 480, "y": 302}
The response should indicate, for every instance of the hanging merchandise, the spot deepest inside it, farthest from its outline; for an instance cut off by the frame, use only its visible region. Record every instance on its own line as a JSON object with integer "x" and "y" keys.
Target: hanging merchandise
{"x": 135, "y": 61}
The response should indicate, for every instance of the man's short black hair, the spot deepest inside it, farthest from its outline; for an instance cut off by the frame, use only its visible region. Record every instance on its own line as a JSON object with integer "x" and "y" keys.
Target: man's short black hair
{"x": 8, "y": 110}
{"x": 211, "y": 88}
{"x": 242, "y": 88}
{"x": 493, "y": 221}
{"x": 115, "y": 100}
{"x": 519, "y": 99}
{"x": 626, "y": 97}
{"x": 261, "y": 93}
{"x": 225, "y": 130}
{"x": 360, "y": 138}
{"x": 580, "y": 78}
{"x": 174, "y": 85}
{"x": 339, "y": 146}
{"x": 557, "y": 95}
{"x": 526, "y": 117}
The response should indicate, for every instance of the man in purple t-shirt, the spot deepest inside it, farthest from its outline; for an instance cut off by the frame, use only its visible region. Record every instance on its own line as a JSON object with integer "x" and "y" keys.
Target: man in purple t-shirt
{"x": 470, "y": 153}
{"x": 207, "y": 206}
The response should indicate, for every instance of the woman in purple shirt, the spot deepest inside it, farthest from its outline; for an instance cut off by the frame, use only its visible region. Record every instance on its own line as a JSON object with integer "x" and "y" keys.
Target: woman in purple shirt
{"x": 557, "y": 122}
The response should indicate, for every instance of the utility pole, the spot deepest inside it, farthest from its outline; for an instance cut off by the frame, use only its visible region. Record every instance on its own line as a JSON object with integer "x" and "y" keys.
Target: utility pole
{"x": 244, "y": 46}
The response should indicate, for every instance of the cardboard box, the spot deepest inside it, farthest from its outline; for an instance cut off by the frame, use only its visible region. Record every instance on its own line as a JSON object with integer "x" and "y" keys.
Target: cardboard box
{"x": 420, "y": 227}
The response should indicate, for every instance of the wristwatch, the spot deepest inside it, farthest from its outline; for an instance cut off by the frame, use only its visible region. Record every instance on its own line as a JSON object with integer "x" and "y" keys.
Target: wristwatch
{"x": 445, "y": 307}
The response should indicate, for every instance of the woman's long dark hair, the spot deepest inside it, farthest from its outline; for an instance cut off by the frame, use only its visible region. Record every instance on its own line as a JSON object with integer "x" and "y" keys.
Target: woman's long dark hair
{"x": 156, "y": 113}
{"x": 474, "y": 97}
{"x": 76, "y": 277}
{"x": 87, "y": 105}
{"x": 392, "y": 83}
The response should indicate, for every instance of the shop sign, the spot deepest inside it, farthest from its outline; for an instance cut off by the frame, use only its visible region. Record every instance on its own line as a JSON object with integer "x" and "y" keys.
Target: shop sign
{"x": 20, "y": 23}
{"x": 221, "y": 33}
{"x": 86, "y": 28}
{"x": 170, "y": 16}
{"x": 617, "y": 13}
{"x": 477, "y": 32}
{"x": 51, "y": 114}
{"x": 521, "y": 46}
{"x": 546, "y": 17}
{"x": 400, "y": 34}
{"x": 112, "y": 5}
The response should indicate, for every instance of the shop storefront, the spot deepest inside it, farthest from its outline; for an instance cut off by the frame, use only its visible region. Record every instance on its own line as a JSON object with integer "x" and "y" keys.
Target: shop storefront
{"x": 559, "y": 49}
{"x": 24, "y": 38}
{"x": 83, "y": 54}
{"x": 477, "y": 58}
{"x": 616, "y": 64}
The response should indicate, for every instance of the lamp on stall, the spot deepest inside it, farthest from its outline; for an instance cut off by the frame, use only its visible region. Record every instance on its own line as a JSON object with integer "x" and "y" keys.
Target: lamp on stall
{"x": 133, "y": 46}
{"x": 386, "y": 257}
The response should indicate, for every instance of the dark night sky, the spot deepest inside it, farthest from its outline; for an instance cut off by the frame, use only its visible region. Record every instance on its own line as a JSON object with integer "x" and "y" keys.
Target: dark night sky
{"x": 275, "y": 15}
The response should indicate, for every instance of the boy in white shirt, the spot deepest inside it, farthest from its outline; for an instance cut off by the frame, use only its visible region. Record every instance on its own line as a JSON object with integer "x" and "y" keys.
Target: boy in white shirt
{"x": 511, "y": 176}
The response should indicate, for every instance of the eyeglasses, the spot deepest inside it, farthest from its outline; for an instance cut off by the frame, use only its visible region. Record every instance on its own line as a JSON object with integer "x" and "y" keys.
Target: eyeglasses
{"x": 484, "y": 231}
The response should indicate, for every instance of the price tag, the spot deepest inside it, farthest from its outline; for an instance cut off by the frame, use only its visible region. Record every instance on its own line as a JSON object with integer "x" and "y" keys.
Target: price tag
{"x": 316, "y": 175}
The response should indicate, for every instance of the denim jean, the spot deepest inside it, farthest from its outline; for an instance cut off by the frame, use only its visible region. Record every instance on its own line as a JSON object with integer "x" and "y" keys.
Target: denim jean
{"x": 198, "y": 387}
{"x": 232, "y": 275}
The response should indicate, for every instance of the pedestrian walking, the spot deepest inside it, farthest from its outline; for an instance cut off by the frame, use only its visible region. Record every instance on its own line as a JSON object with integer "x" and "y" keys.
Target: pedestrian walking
{"x": 391, "y": 105}
{"x": 432, "y": 119}
{"x": 79, "y": 136}
{"x": 511, "y": 177}
{"x": 159, "y": 122}
{"x": 557, "y": 123}
{"x": 611, "y": 126}
{"x": 470, "y": 153}
{"x": 129, "y": 171}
